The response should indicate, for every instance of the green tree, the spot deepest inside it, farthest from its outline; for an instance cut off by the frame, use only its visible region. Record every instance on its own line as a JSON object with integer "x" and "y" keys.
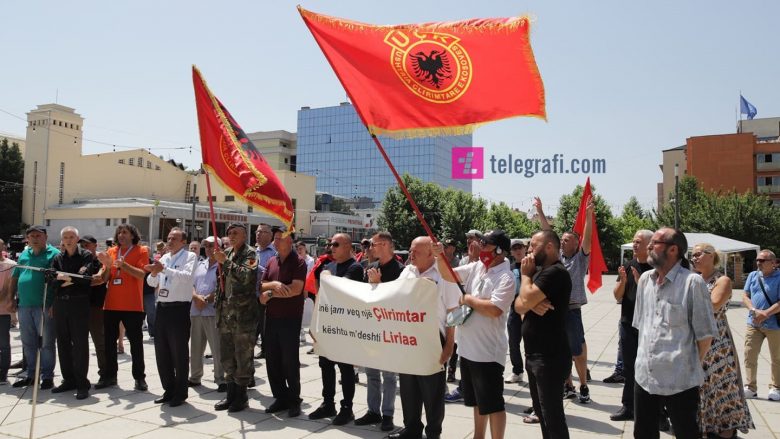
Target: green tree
{"x": 745, "y": 217}
{"x": 12, "y": 166}
{"x": 608, "y": 234}
{"x": 462, "y": 212}
{"x": 400, "y": 220}
{"x": 632, "y": 219}
{"x": 515, "y": 224}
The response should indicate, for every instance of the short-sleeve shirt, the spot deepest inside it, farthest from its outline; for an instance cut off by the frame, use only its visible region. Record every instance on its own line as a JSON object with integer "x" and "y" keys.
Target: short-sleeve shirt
{"x": 349, "y": 269}
{"x": 128, "y": 295}
{"x": 629, "y": 292}
{"x": 546, "y": 334}
{"x": 205, "y": 282}
{"x": 30, "y": 286}
{"x": 482, "y": 338}
{"x": 577, "y": 266}
{"x": 449, "y": 294}
{"x": 389, "y": 271}
{"x": 292, "y": 268}
{"x": 753, "y": 289}
{"x": 6, "y": 270}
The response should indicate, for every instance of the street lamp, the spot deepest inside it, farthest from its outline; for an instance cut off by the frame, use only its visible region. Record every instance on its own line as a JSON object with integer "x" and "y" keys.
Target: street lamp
{"x": 676, "y": 196}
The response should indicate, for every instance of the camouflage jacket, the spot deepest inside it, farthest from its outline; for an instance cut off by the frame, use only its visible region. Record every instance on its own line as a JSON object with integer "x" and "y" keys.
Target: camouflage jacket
{"x": 237, "y": 304}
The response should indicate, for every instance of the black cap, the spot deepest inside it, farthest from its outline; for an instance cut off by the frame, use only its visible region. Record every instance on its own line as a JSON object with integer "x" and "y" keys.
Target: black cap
{"x": 88, "y": 238}
{"x": 497, "y": 238}
{"x": 365, "y": 241}
{"x": 234, "y": 225}
{"x": 449, "y": 242}
{"x": 35, "y": 229}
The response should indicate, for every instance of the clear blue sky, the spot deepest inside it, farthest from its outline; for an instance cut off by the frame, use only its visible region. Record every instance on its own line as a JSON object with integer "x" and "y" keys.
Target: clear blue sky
{"x": 623, "y": 80}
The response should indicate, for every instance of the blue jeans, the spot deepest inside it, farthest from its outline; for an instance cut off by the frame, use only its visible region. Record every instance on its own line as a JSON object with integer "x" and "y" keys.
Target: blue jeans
{"x": 30, "y": 327}
{"x": 380, "y": 392}
{"x": 151, "y": 312}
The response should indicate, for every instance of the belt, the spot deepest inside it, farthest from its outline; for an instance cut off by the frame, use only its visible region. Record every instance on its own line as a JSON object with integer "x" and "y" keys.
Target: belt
{"x": 71, "y": 296}
{"x": 167, "y": 304}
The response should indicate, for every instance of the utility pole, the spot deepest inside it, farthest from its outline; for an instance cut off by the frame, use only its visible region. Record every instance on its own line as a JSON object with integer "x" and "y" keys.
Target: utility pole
{"x": 676, "y": 196}
{"x": 194, "y": 203}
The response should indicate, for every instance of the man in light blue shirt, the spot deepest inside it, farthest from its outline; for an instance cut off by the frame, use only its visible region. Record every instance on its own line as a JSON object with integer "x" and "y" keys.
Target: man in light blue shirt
{"x": 264, "y": 238}
{"x": 762, "y": 294}
{"x": 673, "y": 315}
{"x": 203, "y": 318}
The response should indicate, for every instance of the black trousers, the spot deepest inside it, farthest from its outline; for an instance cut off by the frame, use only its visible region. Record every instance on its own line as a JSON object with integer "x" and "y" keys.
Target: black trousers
{"x": 172, "y": 347}
{"x": 630, "y": 344}
{"x": 133, "y": 321}
{"x": 546, "y": 376}
{"x": 281, "y": 358}
{"x": 96, "y": 331}
{"x": 514, "y": 325}
{"x": 329, "y": 381}
{"x": 682, "y": 409}
{"x": 453, "y": 362}
{"x": 427, "y": 391}
{"x": 71, "y": 321}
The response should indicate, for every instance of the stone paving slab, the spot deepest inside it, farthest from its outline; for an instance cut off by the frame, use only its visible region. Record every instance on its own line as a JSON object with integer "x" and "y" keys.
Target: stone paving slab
{"x": 122, "y": 412}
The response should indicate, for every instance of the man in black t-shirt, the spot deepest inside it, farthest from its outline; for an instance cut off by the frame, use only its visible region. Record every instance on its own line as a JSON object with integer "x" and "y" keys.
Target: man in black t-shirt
{"x": 381, "y": 391}
{"x": 96, "y": 299}
{"x": 625, "y": 293}
{"x": 545, "y": 290}
{"x": 342, "y": 265}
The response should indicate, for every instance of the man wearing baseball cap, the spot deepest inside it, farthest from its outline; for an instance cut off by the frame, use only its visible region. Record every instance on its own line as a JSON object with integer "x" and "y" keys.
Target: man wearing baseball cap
{"x": 96, "y": 299}
{"x": 482, "y": 339}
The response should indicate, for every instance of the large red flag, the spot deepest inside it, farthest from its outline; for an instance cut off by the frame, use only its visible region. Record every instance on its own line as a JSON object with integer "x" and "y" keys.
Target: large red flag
{"x": 432, "y": 78}
{"x": 597, "y": 264}
{"x": 233, "y": 159}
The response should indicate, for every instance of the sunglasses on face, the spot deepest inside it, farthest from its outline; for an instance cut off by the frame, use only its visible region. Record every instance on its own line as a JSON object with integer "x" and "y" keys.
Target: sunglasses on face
{"x": 761, "y": 261}
{"x": 332, "y": 244}
{"x": 697, "y": 255}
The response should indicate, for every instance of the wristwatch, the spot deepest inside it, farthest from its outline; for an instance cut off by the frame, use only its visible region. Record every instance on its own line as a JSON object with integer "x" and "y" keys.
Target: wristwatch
{"x": 270, "y": 294}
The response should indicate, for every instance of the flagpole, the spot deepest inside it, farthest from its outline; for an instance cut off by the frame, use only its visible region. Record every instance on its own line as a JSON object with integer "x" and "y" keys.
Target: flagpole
{"x": 217, "y": 241}
{"x": 413, "y": 204}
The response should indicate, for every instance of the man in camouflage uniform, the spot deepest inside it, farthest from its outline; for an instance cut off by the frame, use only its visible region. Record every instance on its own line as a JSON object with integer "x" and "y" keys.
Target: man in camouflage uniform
{"x": 237, "y": 316}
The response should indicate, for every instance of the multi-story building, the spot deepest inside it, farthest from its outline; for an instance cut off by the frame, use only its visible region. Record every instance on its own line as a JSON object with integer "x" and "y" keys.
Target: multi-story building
{"x": 13, "y": 139}
{"x": 98, "y": 191}
{"x": 748, "y": 160}
{"x": 335, "y": 146}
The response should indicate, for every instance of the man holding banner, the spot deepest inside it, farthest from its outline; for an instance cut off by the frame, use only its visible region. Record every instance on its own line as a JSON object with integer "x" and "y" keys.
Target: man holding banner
{"x": 418, "y": 391}
{"x": 482, "y": 338}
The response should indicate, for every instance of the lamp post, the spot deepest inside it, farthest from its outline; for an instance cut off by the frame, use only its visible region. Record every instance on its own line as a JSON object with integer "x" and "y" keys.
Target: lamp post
{"x": 676, "y": 196}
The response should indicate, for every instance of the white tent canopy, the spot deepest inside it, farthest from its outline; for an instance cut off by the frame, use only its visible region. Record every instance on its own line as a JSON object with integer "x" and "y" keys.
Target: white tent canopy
{"x": 721, "y": 244}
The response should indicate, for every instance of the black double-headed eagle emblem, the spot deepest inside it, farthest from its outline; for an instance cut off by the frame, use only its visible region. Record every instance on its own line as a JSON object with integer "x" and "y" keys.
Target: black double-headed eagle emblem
{"x": 431, "y": 68}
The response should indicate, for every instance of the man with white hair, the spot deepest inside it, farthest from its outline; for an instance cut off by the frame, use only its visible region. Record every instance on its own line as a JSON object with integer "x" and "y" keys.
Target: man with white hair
{"x": 71, "y": 308}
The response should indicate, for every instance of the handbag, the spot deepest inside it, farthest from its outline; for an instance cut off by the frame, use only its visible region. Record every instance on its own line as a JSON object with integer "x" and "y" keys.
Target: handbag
{"x": 461, "y": 314}
{"x": 766, "y": 296}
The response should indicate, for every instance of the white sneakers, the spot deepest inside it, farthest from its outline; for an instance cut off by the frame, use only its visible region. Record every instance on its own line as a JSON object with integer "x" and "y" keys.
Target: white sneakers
{"x": 749, "y": 393}
{"x": 514, "y": 378}
{"x": 774, "y": 395}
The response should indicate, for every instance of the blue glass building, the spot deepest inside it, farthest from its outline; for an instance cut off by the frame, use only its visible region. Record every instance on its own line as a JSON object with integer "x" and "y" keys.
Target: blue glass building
{"x": 334, "y": 146}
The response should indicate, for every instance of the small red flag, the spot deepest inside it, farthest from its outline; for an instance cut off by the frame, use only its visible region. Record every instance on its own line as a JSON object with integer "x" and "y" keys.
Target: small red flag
{"x": 233, "y": 159}
{"x": 432, "y": 78}
{"x": 597, "y": 264}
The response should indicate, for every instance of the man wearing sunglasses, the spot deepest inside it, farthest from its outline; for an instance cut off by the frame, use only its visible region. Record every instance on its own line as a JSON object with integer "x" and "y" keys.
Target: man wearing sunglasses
{"x": 762, "y": 289}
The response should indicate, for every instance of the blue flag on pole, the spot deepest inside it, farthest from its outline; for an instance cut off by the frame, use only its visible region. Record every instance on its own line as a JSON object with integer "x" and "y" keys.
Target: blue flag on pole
{"x": 746, "y": 107}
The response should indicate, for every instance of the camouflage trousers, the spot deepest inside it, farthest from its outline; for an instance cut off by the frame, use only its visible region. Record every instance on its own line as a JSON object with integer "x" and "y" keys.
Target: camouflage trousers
{"x": 237, "y": 350}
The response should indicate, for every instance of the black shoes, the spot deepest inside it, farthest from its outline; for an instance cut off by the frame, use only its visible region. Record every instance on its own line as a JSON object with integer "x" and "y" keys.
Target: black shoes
{"x": 404, "y": 433}
{"x": 140, "y": 385}
{"x": 345, "y": 415}
{"x": 82, "y": 394}
{"x": 231, "y": 395}
{"x": 163, "y": 399}
{"x": 64, "y": 387}
{"x": 104, "y": 383}
{"x": 369, "y": 418}
{"x": 277, "y": 406}
{"x": 325, "y": 410}
{"x": 176, "y": 402}
{"x": 23, "y": 382}
{"x": 295, "y": 409}
{"x": 615, "y": 378}
{"x": 387, "y": 423}
{"x": 241, "y": 400}
{"x": 47, "y": 384}
{"x": 623, "y": 414}
{"x": 222, "y": 388}
{"x": 21, "y": 364}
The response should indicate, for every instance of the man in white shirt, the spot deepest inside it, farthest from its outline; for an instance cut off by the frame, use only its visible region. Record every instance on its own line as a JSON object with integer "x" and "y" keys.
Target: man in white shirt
{"x": 418, "y": 391}
{"x": 173, "y": 275}
{"x": 482, "y": 340}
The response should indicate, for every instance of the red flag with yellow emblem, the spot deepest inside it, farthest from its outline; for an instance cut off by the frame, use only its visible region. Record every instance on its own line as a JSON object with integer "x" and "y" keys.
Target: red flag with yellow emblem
{"x": 233, "y": 159}
{"x": 432, "y": 78}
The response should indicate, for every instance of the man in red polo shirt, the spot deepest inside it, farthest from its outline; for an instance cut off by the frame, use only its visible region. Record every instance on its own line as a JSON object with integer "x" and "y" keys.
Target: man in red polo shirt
{"x": 282, "y": 294}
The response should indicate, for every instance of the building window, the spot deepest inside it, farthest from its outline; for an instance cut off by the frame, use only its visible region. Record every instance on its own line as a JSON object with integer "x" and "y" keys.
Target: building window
{"x": 140, "y": 162}
{"x": 62, "y": 181}
{"x": 108, "y": 222}
{"x": 148, "y": 164}
{"x": 156, "y": 167}
{"x": 48, "y": 223}
{"x": 249, "y": 209}
{"x": 213, "y": 198}
{"x": 124, "y": 220}
{"x": 121, "y": 161}
{"x": 187, "y": 189}
{"x": 230, "y": 198}
{"x": 130, "y": 162}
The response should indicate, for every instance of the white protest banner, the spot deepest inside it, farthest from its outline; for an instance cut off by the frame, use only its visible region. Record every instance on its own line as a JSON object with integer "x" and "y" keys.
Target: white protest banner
{"x": 392, "y": 326}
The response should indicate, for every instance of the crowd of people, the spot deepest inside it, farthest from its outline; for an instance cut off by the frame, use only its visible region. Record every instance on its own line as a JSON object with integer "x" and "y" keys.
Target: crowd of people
{"x": 678, "y": 361}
